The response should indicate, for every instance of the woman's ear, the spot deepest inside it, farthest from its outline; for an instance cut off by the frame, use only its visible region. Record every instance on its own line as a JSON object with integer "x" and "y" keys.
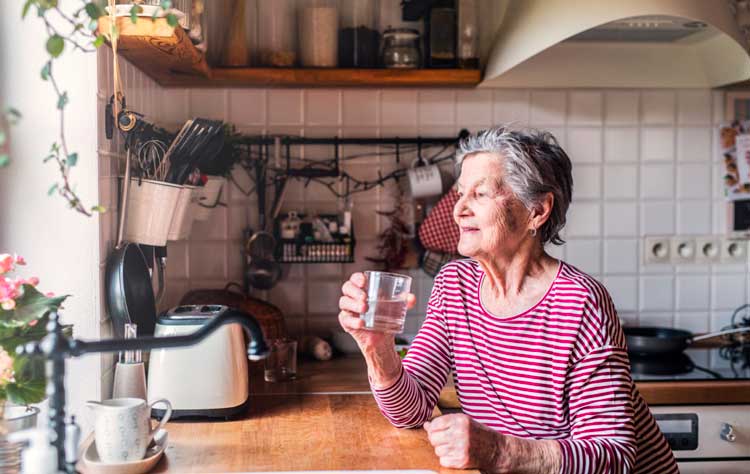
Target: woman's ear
{"x": 541, "y": 211}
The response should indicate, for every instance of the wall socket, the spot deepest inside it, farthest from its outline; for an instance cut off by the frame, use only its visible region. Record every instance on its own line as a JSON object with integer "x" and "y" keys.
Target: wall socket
{"x": 657, "y": 250}
{"x": 694, "y": 249}
{"x": 734, "y": 251}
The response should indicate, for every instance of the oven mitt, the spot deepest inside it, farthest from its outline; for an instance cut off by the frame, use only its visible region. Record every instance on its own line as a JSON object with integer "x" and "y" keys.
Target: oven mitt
{"x": 439, "y": 232}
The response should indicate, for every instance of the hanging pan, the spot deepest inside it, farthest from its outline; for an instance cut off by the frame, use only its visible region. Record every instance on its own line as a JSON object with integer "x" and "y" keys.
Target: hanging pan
{"x": 654, "y": 341}
{"x": 129, "y": 292}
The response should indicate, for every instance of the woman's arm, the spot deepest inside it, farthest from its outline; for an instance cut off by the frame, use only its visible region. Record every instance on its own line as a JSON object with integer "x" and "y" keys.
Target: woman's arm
{"x": 462, "y": 443}
{"x": 600, "y": 402}
{"x": 408, "y": 395}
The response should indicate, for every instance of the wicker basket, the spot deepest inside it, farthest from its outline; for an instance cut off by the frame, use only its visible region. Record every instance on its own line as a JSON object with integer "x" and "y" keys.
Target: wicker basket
{"x": 269, "y": 317}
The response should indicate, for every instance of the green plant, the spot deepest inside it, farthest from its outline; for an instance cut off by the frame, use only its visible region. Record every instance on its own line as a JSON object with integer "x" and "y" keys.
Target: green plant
{"x": 24, "y": 313}
{"x": 79, "y": 32}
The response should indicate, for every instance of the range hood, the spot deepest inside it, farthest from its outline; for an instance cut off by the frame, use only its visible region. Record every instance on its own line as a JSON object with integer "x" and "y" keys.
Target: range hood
{"x": 617, "y": 43}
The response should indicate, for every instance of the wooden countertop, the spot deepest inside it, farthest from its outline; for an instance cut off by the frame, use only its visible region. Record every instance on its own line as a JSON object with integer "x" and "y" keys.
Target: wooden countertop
{"x": 326, "y": 419}
{"x": 299, "y": 432}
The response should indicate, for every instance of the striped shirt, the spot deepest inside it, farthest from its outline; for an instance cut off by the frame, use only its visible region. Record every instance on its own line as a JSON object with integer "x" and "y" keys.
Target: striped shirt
{"x": 556, "y": 371}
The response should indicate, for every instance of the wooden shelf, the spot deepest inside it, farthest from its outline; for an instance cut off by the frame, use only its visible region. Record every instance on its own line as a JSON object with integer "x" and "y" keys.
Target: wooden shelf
{"x": 168, "y": 56}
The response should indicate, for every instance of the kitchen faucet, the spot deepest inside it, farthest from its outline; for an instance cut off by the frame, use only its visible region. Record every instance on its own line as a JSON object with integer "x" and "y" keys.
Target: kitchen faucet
{"x": 56, "y": 347}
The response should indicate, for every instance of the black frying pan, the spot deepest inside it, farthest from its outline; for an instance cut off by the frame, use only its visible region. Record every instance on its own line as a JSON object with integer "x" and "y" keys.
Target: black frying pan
{"x": 651, "y": 341}
{"x": 129, "y": 295}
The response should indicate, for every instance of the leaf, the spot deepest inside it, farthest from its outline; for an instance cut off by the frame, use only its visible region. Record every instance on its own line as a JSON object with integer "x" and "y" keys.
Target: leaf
{"x": 30, "y": 383}
{"x": 4, "y": 160}
{"x": 72, "y": 159}
{"x": 166, "y": 4}
{"x": 55, "y": 45}
{"x": 172, "y": 20}
{"x": 26, "y": 7}
{"x": 30, "y": 306}
{"x": 52, "y": 189}
{"x": 134, "y": 13}
{"x": 94, "y": 11}
{"x": 62, "y": 100}
{"x": 98, "y": 208}
{"x": 98, "y": 41}
{"x": 46, "y": 70}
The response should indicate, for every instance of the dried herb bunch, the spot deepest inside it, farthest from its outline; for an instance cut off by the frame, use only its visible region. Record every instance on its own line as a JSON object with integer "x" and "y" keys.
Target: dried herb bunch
{"x": 395, "y": 241}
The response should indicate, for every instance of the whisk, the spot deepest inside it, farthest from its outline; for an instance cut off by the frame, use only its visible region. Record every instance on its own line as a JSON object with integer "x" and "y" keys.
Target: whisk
{"x": 151, "y": 160}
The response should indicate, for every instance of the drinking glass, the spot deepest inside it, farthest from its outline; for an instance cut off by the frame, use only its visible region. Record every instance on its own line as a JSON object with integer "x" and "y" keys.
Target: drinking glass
{"x": 386, "y": 301}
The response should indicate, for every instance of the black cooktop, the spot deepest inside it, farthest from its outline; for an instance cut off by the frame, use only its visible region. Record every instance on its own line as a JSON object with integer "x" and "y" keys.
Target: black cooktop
{"x": 685, "y": 367}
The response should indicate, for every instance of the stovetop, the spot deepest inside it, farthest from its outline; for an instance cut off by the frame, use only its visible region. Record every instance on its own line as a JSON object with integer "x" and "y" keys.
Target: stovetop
{"x": 684, "y": 367}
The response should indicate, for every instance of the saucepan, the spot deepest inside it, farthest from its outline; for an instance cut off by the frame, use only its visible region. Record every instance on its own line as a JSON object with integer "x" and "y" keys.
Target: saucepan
{"x": 651, "y": 341}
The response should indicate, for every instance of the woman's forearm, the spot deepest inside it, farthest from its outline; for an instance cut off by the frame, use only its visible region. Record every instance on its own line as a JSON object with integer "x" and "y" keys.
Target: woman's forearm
{"x": 383, "y": 366}
{"x": 527, "y": 456}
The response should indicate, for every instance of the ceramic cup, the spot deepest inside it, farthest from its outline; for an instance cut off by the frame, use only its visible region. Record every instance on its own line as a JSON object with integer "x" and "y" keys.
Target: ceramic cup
{"x": 425, "y": 181}
{"x": 122, "y": 428}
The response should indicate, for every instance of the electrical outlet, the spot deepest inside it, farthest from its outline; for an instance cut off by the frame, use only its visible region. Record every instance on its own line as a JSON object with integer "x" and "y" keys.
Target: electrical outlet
{"x": 683, "y": 250}
{"x": 733, "y": 251}
{"x": 707, "y": 250}
{"x": 656, "y": 250}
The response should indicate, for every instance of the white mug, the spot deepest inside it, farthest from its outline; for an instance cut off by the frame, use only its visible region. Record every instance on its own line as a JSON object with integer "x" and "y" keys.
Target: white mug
{"x": 122, "y": 428}
{"x": 425, "y": 181}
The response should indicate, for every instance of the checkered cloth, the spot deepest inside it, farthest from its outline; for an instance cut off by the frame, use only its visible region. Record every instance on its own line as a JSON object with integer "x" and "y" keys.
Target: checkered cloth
{"x": 439, "y": 232}
{"x": 432, "y": 262}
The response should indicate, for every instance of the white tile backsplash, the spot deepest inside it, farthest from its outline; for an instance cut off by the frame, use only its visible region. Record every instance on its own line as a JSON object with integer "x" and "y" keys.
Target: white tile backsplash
{"x": 621, "y": 145}
{"x": 657, "y": 107}
{"x": 585, "y": 108}
{"x": 620, "y": 181}
{"x": 657, "y": 181}
{"x": 694, "y": 144}
{"x": 511, "y": 106}
{"x": 642, "y": 161}
{"x": 621, "y": 219}
{"x": 621, "y": 108}
{"x": 548, "y": 107}
{"x": 474, "y": 107}
{"x": 657, "y": 144}
{"x": 584, "y": 145}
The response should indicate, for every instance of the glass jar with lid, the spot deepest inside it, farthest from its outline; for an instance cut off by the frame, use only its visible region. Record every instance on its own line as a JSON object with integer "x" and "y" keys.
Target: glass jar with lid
{"x": 277, "y": 33}
{"x": 401, "y": 48}
{"x": 318, "y": 33}
{"x": 359, "y": 39}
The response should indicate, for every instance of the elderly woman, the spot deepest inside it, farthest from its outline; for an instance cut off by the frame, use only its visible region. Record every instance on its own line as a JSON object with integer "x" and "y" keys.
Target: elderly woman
{"x": 534, "y": 344}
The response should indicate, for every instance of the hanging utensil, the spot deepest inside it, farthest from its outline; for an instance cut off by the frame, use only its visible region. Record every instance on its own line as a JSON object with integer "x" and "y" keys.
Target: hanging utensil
{"x": 263, "y": 270}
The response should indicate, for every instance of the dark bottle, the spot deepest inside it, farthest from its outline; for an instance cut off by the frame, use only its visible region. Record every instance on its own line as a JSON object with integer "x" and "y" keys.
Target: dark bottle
{"x": 441, "y": 34}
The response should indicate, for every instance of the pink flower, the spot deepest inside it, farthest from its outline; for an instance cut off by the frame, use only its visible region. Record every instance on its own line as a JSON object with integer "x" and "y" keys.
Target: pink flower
{"x": 6, "y": 263}
{"x": 20, "y": 260}
{"x": 50, "y": 294}
{"x": 6, "y": 368}
{"x": 33, "y": 281}
{"x": 33, "y": 323}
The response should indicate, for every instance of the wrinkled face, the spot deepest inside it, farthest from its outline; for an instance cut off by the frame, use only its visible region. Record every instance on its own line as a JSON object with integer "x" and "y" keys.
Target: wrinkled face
{"x": 492, "y": 220}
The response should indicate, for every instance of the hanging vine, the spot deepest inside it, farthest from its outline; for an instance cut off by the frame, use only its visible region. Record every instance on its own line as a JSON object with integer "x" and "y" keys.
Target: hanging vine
{"x": 78, "y": 31}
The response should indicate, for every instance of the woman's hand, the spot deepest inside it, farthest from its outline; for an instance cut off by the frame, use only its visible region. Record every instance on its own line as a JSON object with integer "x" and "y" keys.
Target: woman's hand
{"x": 352, "y": 303}
{"x": 462, "y": 443}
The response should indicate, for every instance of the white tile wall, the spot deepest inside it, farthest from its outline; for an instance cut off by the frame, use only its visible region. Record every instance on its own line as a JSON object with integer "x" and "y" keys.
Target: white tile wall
{"x": 642, "y": 163}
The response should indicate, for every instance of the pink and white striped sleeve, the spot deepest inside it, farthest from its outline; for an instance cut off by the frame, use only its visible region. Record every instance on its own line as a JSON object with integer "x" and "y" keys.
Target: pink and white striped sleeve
{"x": 409, "y": 402}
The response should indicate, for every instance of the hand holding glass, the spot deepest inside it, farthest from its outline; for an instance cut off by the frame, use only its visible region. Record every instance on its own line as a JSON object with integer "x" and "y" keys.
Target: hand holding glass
{"x": 387, "y": 295}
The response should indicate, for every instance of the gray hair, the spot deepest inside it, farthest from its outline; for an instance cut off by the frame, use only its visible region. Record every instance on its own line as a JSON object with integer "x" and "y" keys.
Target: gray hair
{"x": 535, "y": 164}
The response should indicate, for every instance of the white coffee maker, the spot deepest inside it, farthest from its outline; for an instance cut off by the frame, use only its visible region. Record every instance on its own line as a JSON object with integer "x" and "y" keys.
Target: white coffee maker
{"x": 209, "y": 379}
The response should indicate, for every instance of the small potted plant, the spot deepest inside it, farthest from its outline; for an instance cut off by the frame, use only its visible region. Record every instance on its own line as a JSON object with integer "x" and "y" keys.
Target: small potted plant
{"x": 24, "y": 312}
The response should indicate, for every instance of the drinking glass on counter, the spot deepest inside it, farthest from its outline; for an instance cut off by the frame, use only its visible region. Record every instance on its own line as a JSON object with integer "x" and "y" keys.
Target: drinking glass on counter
{"x": 387, "y": 294}
{"x": 281, "y": 363}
